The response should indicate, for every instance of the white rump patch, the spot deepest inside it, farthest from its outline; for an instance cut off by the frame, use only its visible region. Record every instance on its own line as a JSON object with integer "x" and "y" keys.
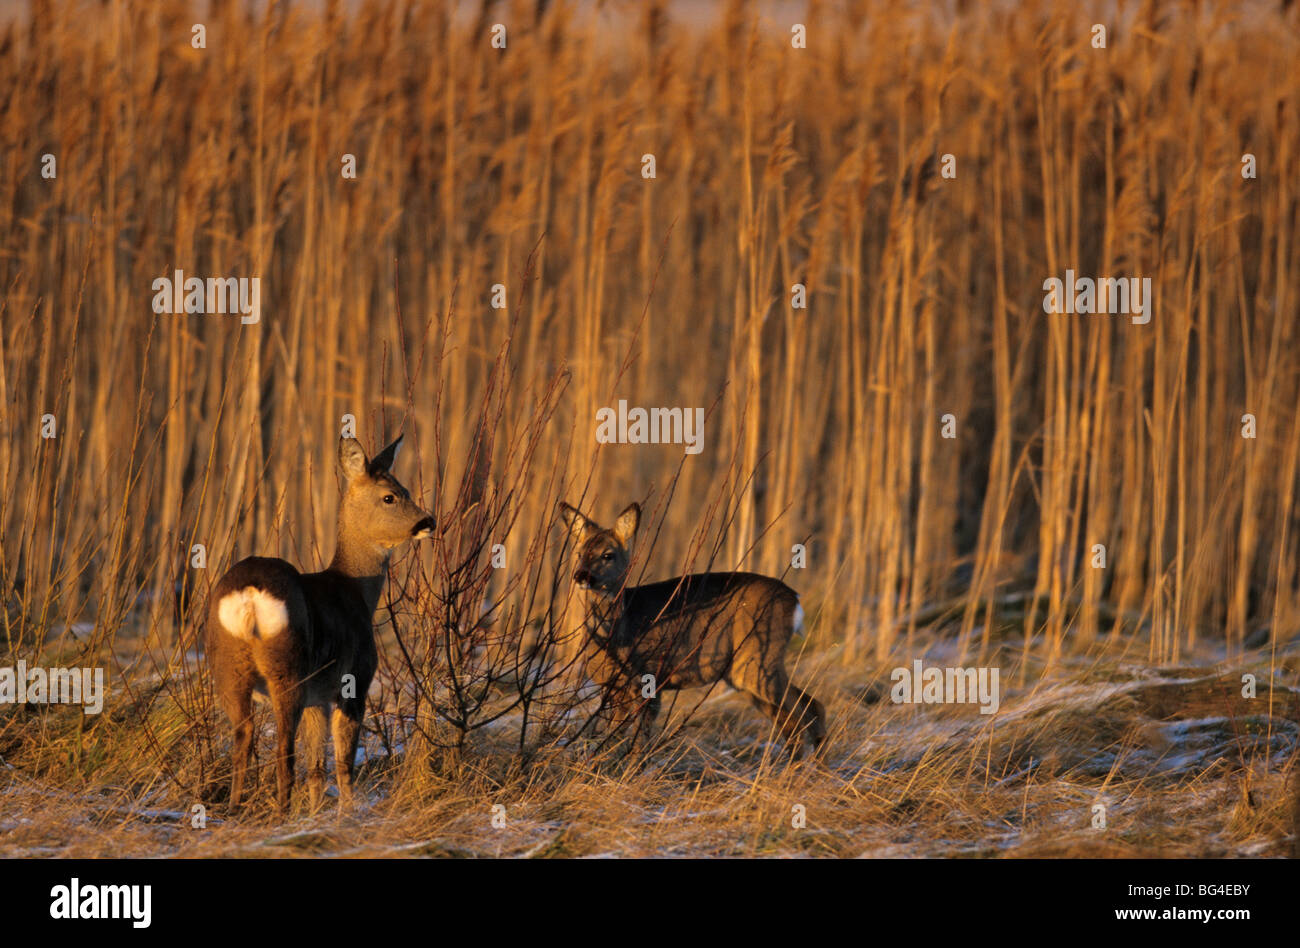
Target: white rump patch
{"x": 797, "y": 628}
{"x": 251, "y": 610}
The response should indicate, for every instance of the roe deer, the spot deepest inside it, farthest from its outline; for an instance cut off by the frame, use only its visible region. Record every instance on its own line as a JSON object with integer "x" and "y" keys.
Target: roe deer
{"x": 306, "y": 641}
{"x": 692, "y": 630}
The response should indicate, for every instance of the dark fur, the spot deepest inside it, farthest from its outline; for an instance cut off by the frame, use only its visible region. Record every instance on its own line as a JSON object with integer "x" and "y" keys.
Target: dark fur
{"x": 690, "y": 631}
{"x": 330, "y": 633}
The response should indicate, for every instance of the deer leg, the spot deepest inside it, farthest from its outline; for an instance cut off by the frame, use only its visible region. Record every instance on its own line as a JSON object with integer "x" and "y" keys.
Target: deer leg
{"x": 787, "y": 722}
{"x": 799, "y": 717}
{"x": 797, "y": 714}
{"x": 806, "y": 716}
{"x": 254, "y": 759}
{"x": 235, "y": 691}
{"x": 287, "y": 704}
{"x": 621, "y": 704}
{"x": 315, "y": 725}
{"x": 347, "y": 732}
{"x": 241, "y": 752}
{"x": 643, "y": 725}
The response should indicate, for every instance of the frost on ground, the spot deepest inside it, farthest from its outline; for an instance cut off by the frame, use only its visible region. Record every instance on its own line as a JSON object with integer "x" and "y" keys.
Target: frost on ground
{"x": 1099, "y": 756}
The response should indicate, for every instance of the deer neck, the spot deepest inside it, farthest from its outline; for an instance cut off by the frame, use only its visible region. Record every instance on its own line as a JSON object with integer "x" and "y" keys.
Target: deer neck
{"x": 605, "y": 603}
{"x": 362, "y": 561}
{"x": 604, "y": 610}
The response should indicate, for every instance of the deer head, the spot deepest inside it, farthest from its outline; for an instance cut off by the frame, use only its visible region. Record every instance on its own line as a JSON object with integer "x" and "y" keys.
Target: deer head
{"x": 603, "y": 556}
{"x": 377, "y": 511}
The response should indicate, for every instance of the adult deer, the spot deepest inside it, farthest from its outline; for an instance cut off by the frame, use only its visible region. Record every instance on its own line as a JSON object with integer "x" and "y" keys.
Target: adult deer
{"x": 689, "y": 631}
{"x": 305, "y": 641}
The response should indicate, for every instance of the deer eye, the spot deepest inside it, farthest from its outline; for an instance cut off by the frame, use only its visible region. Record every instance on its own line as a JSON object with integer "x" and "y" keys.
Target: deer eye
{"x": 607, "y": 555}
{"x": 389, "y": 498}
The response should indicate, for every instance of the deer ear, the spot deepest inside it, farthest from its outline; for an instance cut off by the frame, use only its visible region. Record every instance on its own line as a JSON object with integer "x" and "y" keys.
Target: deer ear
{"x": 383, "y": 461}
{"x": 576, "y": 522}
{"x": 626, "y": 524}
{"x": 352, "y": 460}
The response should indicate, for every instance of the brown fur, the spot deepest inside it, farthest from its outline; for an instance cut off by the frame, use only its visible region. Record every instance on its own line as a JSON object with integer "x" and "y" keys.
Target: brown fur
{"x": 690, "y": 631}
{"x": 330, "y": 635}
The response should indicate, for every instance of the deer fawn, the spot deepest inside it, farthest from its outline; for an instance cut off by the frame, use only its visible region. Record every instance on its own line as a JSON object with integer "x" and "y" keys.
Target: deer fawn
{"x": 306, "y": 640}
{"x": 689, "y": 631}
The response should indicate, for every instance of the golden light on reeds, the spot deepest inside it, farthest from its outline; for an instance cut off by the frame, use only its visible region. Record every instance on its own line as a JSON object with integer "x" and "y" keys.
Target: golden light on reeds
{"x": 775, "y": 166}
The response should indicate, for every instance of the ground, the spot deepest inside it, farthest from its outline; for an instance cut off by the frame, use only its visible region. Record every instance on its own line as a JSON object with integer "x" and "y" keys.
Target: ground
{"x": 1102, "y": 755}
